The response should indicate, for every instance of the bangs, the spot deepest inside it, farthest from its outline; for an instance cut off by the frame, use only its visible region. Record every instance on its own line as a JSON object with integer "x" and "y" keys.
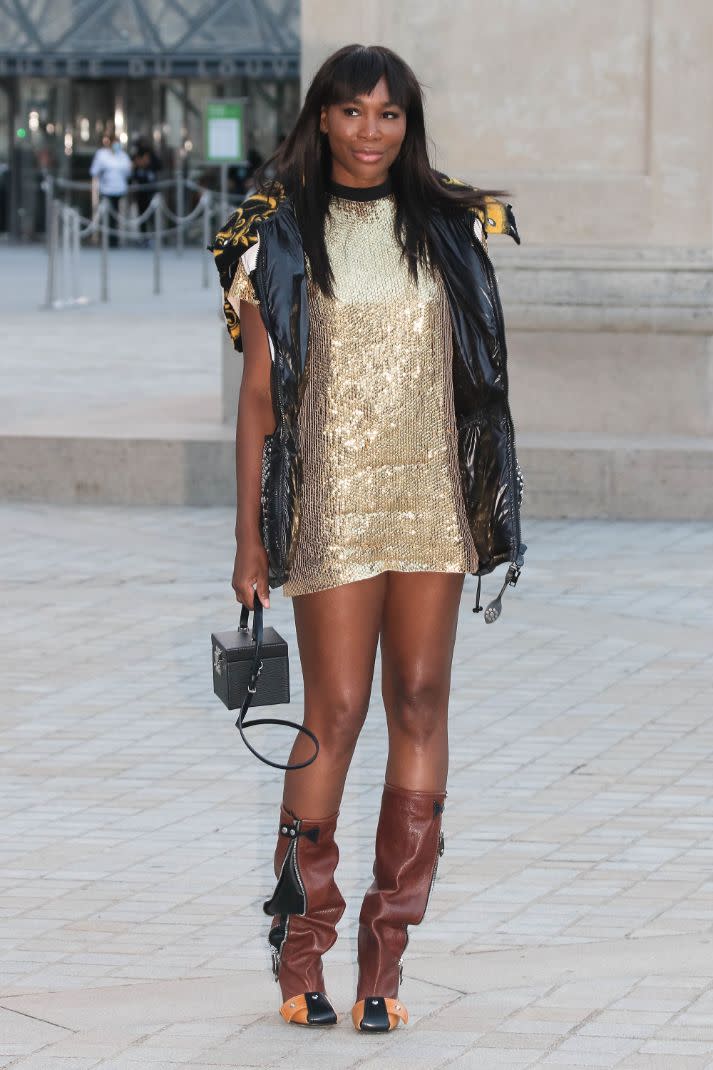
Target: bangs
{"x": 357, "y": 73}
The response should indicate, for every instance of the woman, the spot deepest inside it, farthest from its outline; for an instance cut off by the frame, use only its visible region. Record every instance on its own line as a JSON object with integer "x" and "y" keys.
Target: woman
{"x": 375, "y": 467}
{"x": 111, "y": 168}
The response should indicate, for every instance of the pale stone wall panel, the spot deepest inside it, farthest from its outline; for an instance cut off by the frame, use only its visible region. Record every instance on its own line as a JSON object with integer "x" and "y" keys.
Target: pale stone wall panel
{"x": 598, "y": 117}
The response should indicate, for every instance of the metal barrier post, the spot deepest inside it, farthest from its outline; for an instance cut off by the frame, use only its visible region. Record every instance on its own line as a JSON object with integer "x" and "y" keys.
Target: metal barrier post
{"x": 157, "y": 236}
{"x": 104, "y": 262}
{"x": 66, "y": 253}
{"x": 53, "y": 227}
{"x": 180, "y": 209}
{"x": 65, "y": 233}
{"x": 75, "y": 253}
{"x": 207, "y": 213}
{"x": 48, "y": 187}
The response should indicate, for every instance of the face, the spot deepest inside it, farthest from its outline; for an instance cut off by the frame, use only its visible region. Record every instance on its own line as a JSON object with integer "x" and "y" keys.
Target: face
{"x": 365, "y": 135}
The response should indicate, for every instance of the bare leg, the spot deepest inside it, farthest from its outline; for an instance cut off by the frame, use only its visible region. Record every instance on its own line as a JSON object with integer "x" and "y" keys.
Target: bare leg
{"x": 337, "y": 636}
{"x": 417, "y": 639}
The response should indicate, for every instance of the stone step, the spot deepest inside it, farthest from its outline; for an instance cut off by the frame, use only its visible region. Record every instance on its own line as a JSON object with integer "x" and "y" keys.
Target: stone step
{"x": 567, "y": 474}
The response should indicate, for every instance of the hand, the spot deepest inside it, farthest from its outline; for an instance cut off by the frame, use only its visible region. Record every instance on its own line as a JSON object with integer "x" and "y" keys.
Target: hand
{"x": 251, "y": 570}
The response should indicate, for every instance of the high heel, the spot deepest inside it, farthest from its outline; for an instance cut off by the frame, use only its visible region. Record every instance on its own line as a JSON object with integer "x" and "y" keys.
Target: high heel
{"x": 306, "y": 906}
{"x": 409, "y": 844}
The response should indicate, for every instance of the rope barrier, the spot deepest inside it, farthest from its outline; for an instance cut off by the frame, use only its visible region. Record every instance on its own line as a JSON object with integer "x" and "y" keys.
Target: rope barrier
{"x": 67, "y": 227}
{"x": 140, "y": 187}
{"x": 91, "y": 225}
{"x": 193, "y": 214}
{"x": 79, "y": 184}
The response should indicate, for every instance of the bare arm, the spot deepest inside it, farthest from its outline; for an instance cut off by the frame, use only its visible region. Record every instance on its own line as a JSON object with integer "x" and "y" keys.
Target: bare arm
{"x": 255, "y": 420}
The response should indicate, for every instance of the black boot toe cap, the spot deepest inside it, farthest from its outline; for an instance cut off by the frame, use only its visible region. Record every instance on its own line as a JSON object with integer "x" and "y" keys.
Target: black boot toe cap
{"x": 319, "y": 1010}
{"x": 375, "y": 1018}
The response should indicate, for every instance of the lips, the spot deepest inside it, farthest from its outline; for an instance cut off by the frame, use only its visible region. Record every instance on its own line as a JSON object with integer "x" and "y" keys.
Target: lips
{"x": 367, "y": 155}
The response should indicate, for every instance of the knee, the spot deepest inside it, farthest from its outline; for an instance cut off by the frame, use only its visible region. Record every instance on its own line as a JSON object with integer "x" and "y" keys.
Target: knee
{"x": 338, "y": 725}
{"x": 417, "y": 708}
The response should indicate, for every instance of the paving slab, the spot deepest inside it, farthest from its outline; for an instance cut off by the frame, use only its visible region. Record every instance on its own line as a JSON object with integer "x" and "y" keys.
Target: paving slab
{"x": 570, "y": 923}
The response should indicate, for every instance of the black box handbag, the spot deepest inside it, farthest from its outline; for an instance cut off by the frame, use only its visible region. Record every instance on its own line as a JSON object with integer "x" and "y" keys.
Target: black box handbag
{"x": 254, "y": 669}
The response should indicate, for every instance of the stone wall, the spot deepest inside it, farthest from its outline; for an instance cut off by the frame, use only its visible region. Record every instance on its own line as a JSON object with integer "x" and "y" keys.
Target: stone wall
{"x": 597, "y": 119}
{"x": 596, "y": 116}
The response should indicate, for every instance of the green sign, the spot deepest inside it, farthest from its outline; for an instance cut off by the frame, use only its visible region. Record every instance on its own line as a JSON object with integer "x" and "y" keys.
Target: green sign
{"x": 224, "y": 131}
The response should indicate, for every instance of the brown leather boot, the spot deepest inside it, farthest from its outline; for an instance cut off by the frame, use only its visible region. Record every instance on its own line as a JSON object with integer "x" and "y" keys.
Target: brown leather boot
{"x": 306, "y": 906}
{"x": 409, "y": 843}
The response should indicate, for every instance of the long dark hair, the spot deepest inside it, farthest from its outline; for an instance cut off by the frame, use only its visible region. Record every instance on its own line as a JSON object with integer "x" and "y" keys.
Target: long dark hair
{"x": 303, "y": 162}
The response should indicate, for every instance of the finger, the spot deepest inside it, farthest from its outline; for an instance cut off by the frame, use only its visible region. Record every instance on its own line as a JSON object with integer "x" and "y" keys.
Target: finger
{"x": 245, "y": 595}
{"x": 263, "y": 592}
{"x": 264, "y": 599}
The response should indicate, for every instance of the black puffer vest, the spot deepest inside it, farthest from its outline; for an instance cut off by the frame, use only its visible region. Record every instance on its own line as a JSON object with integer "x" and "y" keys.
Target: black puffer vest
{"x": 490, "y": 477}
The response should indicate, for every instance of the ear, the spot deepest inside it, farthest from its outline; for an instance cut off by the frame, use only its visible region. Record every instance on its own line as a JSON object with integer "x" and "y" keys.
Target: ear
{"x": 323, "y": 121}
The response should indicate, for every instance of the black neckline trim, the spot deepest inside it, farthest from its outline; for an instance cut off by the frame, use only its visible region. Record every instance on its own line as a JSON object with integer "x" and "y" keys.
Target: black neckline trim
{"x": 361, "y": 193}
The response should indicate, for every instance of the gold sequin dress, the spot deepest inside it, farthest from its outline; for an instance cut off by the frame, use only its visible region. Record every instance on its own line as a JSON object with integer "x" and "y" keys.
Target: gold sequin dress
{"x": 376, "y": 423}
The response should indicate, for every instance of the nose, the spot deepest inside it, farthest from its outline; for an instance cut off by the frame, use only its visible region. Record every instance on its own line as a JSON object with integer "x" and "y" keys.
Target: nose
{"x": 369, "y": 128}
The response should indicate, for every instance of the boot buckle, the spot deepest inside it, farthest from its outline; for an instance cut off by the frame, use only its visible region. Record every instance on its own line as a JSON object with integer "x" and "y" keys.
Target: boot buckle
{"x": 275, "y": 962}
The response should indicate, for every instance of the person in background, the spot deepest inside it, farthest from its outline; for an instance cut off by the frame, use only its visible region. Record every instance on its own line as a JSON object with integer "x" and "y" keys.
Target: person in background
{"x": 111, "y": 167}
{"x": 241, "y": 178}
{"x": 146, "y": 166}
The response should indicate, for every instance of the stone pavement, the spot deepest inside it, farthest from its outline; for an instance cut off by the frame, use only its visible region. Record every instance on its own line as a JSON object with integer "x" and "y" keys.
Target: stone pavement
{"x": 143, "y": 365}
{"x": 570, "y": 923}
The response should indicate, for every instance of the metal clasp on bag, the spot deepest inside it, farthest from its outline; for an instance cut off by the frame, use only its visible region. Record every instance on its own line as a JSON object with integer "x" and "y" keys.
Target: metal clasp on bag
{"x": 252, "y": 690}
{"x": 218, "y": 661}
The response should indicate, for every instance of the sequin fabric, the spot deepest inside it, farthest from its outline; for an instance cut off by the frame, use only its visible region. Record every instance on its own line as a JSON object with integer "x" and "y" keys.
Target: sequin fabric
{"x": 376, "y": 423}
{"x": 241, "y": 288}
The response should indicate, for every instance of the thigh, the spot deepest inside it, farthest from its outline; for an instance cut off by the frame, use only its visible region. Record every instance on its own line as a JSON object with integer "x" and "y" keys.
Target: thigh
{"x": 337, "y": 637}
{"x": 418, "y": 632}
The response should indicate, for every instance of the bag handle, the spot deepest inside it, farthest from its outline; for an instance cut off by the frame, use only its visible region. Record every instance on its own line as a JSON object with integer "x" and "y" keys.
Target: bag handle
{"x": 255, "y": 670}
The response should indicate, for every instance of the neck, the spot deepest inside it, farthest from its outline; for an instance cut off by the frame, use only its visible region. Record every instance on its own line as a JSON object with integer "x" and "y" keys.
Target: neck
{"x": 360, "y": 193}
